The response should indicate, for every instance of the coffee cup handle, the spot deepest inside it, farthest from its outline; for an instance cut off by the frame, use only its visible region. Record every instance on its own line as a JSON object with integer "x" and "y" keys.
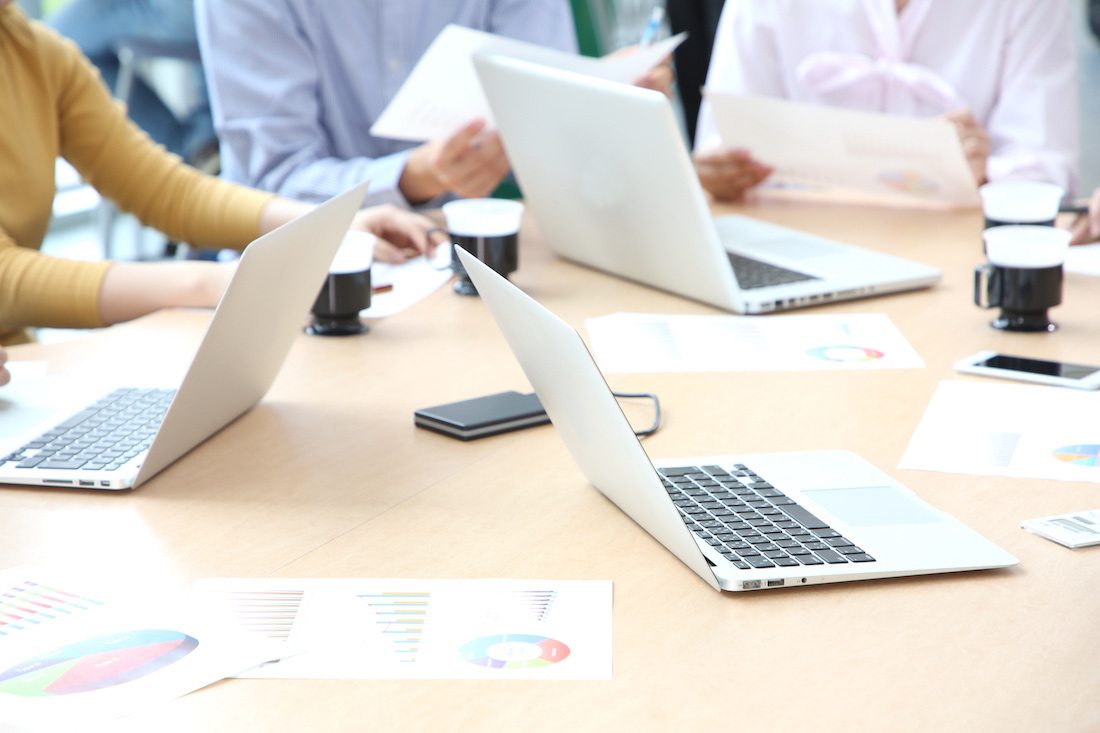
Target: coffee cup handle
{"x": 987, "y": 287}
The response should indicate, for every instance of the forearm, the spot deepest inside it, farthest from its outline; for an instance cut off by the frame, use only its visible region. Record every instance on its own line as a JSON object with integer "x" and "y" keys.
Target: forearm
{"x": 133, "y": 289}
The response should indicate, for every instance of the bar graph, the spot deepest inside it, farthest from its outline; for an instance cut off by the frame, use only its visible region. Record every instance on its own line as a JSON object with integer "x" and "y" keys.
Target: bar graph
{"x": 270, "y": 613}
{"x": 402, "y": 617}
{"x": 27, "y": 605}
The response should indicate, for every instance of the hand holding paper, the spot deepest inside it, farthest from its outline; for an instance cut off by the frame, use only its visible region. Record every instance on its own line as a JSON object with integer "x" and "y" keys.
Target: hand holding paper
{"x": 442, "y": 93}
{"x": 855, "y": 155}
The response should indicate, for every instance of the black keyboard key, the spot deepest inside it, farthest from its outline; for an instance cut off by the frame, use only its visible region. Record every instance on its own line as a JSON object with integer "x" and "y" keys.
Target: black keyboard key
{"x": 860, "y": 558}
{"x": 805, "y": 518}
{"x": 752, "y": 273}
{"x": 61, "y": 465}
{"x": 831, "y": 557}
{"x": 785, "y": 562}
{"x": 759, "y": 561}
{"x": 808, "y": 559}
{"x": 31, "y": 462}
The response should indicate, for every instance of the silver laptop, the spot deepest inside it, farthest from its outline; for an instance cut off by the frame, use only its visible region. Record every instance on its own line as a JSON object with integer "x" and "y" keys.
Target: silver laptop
{"x": 123, "y": 438}
{"x": 741, "y": 522}
{"x": 611, "y": 185}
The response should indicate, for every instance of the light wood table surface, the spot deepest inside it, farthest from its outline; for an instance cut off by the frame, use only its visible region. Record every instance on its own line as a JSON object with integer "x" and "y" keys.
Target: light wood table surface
{"x": 328, "y": 477}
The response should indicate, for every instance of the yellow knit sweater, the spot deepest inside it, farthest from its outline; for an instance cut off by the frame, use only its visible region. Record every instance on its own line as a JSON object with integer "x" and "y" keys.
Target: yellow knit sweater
{"x": 53, "y": 103}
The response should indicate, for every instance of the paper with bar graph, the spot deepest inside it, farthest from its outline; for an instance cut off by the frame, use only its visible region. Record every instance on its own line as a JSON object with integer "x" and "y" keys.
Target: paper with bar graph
{"x": 359, "y": 628}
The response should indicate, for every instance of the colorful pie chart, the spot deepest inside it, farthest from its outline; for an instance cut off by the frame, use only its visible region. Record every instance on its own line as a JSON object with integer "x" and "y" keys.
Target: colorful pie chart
{"x": 97, "y": 663}
{"x": 514, "y": 651}
{"x": 844, "y": 353}
{"x": 1079, "y": 455}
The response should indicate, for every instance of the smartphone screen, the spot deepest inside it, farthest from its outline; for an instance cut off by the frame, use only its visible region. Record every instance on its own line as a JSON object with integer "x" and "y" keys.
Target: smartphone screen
{"x": 1038, "y": 366}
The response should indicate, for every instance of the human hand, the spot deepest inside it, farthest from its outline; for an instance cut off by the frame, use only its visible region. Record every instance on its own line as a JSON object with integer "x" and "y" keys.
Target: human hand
{"x": 728, "y": 174}
{"x": 470, "y": 163}
{"x": 400, "y": 233}
{"x": 1086, "y": 227}
{"x": 974, "y": 140}
{"x": 659, "y": 78}
{"x": 5, "y": 375}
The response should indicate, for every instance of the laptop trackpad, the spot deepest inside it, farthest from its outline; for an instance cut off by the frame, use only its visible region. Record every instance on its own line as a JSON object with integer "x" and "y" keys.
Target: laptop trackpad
{"x": 873, "y": 506}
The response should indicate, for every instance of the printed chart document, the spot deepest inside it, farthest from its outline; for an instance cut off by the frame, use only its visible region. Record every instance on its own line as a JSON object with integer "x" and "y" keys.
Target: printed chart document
{"x": 1083, "y": 260}
{"x": 443, "y": 93}
{"x": 861, "y": 156}
{"x": 360, "y": 628}
{"x": 72, "y": 654}
{"x": 644, "y": 342}
{"x": 407, "y": 283}
{"x": 1008, "y": 430}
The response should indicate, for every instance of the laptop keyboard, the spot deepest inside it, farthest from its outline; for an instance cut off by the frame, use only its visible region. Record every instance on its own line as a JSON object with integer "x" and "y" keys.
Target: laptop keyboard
{"x": 751, "y": 523}
{"x": 102, "y": 437}
{"x": 756, "y": 274}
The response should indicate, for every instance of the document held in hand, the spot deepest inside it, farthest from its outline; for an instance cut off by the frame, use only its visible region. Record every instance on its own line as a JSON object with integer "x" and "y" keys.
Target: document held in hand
{"x": 859, "y": 156}
{"x": 443, "y": 93}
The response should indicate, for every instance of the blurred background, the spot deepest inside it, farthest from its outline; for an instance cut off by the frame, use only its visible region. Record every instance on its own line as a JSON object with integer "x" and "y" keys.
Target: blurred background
{"x": 86, "y": 228}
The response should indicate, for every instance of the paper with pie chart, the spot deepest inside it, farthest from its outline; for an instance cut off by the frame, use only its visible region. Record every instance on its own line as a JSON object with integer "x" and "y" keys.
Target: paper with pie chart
{"x": 647, "y": 342}
{"x": 359, "y": 628}
{"x": 73, "y": 655}
{"x": 997, "y": 429}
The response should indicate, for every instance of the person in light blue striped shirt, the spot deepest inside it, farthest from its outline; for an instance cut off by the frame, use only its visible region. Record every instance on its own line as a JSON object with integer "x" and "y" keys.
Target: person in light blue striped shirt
{"x": 295, "y": 86}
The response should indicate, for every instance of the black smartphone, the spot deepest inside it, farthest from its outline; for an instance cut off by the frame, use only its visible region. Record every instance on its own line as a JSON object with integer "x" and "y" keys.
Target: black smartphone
{"x": 483, "y": 416}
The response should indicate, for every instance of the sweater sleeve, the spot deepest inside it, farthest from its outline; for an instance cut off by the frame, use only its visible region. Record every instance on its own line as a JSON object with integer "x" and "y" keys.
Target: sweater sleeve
{"x": 125, "y": 165}
{"x": 38, "y": 290}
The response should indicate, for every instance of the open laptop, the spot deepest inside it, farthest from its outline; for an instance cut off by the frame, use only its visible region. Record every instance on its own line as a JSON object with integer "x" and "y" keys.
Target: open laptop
{"x": 741, "y": 522}
{"x": 262, "y": 311}
{"x": 609, "y": 180}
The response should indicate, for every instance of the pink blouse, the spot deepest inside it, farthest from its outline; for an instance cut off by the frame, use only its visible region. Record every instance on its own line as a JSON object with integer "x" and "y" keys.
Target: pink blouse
{"x": 1010, "y": 62}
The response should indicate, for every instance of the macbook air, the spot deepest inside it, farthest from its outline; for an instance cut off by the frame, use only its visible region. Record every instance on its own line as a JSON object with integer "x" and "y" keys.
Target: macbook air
{"x": 609, "y": 181}
{"x": 122, "y": 439}
{"x": 741, "y": 522}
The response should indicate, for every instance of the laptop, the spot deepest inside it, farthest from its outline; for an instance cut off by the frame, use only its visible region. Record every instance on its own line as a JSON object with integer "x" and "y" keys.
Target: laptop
{"x": 741, "y": 522}
{"x": 609, "y": 181}
{"x": 122, "y": 439}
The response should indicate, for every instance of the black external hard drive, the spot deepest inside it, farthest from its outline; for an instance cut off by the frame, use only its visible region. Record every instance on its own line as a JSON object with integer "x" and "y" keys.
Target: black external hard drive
{"x": 483, "y": 416}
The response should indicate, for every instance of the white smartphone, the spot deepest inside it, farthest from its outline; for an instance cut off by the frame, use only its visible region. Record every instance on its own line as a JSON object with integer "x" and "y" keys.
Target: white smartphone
{"x": 1056, "y": 373}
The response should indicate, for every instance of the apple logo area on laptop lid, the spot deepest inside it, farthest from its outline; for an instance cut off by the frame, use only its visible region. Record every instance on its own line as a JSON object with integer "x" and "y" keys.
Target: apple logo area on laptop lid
{"x": 607, "y": 175}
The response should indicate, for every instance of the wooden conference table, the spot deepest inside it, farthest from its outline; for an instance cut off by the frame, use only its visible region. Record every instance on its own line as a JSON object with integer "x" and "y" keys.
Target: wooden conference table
{"x": 327, "y": 477}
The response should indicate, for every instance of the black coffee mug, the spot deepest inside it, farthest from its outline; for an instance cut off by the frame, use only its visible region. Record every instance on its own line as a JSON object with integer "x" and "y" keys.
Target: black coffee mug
{"x": 336, "y": 310}
{"x": 489, "y": 230}
{"x": 1023, "y": 276}
{"x": 1024, "y": 294}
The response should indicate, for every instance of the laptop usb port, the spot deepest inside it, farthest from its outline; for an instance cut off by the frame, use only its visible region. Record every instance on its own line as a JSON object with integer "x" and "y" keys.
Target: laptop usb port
{"x": 105, "y": 483}
{"x": 87, "y": 483}
{"x": 775, "y": 583}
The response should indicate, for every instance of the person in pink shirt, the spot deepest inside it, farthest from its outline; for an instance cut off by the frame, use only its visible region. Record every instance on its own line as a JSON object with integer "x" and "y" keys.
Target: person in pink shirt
{"x": 1003, "y": 71}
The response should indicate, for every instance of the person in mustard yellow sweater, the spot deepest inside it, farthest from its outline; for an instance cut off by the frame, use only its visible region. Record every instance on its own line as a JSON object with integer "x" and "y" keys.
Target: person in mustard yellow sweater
{"x": 53, "y": 103}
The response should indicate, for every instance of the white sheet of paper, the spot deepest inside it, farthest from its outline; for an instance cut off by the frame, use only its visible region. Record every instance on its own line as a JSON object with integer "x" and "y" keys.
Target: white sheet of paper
{"x": 1084, "y": 260}
{"x": 443, "y": 92}
{"x": 994, "y": 429}
{"x": 645, "y": 342}
{"x": 362, "y": 628}
{"x": 72, "y": 655}
{"x": 411, "y": 282}
{"x": 829, "y": 151}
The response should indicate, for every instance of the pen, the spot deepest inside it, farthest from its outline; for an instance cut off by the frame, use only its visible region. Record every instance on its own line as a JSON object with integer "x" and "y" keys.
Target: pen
{"x": 1074, "y": 208}
{"x": 652, "y": 25}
